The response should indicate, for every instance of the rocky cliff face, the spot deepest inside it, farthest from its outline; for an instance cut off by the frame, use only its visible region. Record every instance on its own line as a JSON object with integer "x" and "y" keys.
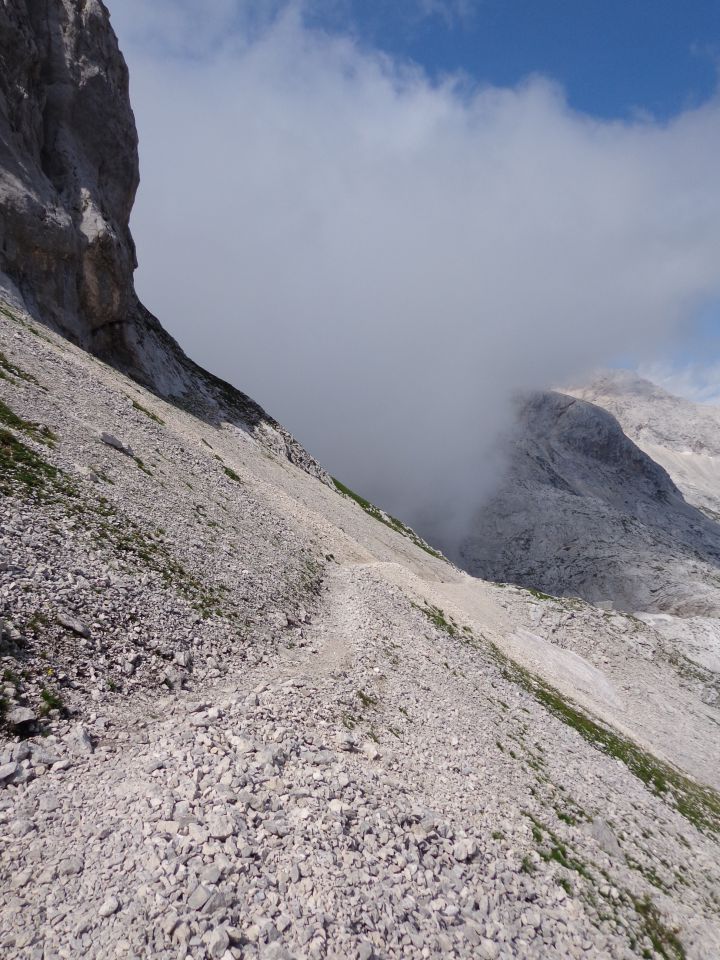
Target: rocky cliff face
{"x": 68, "y": 177}
{"x": 682, "y": 436}
{"x": 651, "y": 416}
{"x": 68, "y": 152}
{"x": 583, "y": 511}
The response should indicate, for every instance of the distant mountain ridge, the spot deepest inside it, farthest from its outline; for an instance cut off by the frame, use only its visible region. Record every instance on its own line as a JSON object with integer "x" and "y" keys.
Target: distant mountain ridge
{"x": 650, "y": 414}
{"x": 584, "y": 511}
{"x": 681, "y": 435}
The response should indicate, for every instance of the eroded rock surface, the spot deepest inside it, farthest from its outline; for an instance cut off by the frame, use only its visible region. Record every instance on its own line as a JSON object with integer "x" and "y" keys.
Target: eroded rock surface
{"x": 68, "y": 177}
{"x": 267, "y": 724}
{"x": 583, "y": 511}
{"x": 68, "y": 168}
{"x": 682, "y": 436}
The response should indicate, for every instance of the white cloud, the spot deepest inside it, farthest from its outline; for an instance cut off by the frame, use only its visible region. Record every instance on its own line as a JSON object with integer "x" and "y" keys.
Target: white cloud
{"x": 696, "y": 381}
{"x": 382, "y": 261}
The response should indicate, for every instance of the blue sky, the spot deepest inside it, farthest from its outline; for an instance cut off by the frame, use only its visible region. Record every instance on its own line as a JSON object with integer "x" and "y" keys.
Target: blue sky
{"x": 614, "y": 57}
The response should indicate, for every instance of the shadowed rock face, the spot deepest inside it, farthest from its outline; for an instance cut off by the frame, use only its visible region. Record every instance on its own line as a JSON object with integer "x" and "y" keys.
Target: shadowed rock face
{"x": 583, "y": 511}
{"x": 68, "y": 177}
{"x": 69, "y": 168}
{"x": 682, "y": 436}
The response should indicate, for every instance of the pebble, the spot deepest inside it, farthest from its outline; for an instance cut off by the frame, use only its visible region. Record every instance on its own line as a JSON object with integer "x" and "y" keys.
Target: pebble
{"x": 110, "y": 906}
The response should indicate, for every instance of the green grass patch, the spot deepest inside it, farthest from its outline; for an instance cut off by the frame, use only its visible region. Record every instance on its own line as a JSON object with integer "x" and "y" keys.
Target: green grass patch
{"x": 538, "y": 594}
{"x": 21, "y": 467}
{"x": 558, "y": 852}
{"x": 10, "y": 315}
{"x": 148, "y": 413}
{"x": 38, "y": 622}
{"x": 124, "y": 535}
{"x": 367, "y": 699}
{"x": 438, "y": 619}
{"x": 691, "y": 671}
{"x": 36, "y": 431}
{"x": 229, "y": 472}
{"x": 699, "y": 804}
{"x": 8, "y": 368}
{"x": 51, "y": 701}
{"x": 377, "y": 514}
{"x": 650, "y": 874}
{"x": 664, "y": 940}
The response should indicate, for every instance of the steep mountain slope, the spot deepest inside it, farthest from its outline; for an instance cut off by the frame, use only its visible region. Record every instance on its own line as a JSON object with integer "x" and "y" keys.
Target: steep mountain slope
{"x": 274, "y": 726}
{"x": 584, "y": 512}
{"x": 245, "y": 715}
{"x": 682, "y": 436}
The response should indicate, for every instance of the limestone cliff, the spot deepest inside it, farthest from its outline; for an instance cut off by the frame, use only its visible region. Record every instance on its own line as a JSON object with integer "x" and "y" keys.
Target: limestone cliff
{"x": 69, "y": 169}
{"x": 583, "y": 511}
{"x": 68, "y": 176}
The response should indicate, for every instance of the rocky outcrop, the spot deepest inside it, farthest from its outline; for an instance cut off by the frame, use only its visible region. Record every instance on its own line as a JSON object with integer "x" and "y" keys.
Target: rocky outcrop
{"x": 682, "y": 436}
{"x": 69, "y": 168}
{"x": 68, "y": 176}
{"x": 583, "y": 511}
{"x": 651, "y": 416}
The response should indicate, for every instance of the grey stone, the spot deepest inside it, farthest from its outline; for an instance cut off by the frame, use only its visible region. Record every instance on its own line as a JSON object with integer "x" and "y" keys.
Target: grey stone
{"x": 70, "y": 866}
{"x": 218, "y": 942}
{"x": 72, "y": 623}
{"x": 22, "y": 719}
{"x": 371, "y": 751}
{"x": 603, "y": 836}
{"x": 22, "y": 827}
{"x": 220, "y": 827}
{"x": 8, "y": 771}
{"x": 110, "y": 906}
{"x": 464, "y": 850}
{"x": 199, "y": 897}
{"x": 111, "y": 441}
{"x": 210, "y": 874}
{"x": 79, "y": 742}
